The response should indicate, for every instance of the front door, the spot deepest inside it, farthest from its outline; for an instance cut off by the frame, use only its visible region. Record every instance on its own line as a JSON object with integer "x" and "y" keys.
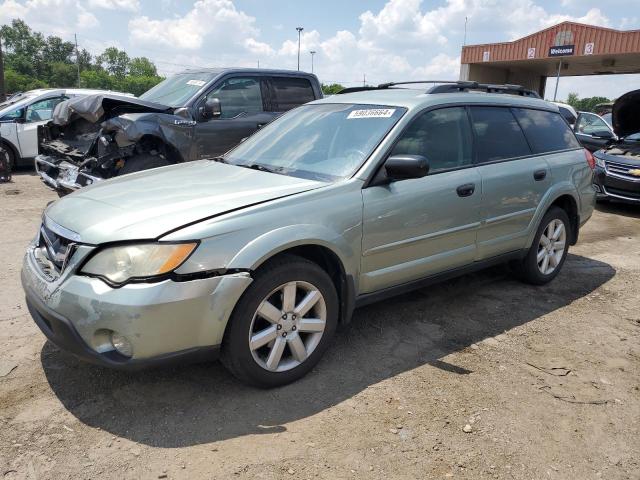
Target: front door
{"x": 243, "y": 112}
{"x": 38, "y": 113}
{"x": 419, "y": 227}
{"x": 592, "y": 131}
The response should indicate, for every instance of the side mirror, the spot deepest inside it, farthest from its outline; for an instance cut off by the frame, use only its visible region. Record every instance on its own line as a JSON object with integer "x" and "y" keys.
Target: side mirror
{"x": 211, "y": 109}
{"x": 402, "y": 167}
{"x": 604, "y": 134}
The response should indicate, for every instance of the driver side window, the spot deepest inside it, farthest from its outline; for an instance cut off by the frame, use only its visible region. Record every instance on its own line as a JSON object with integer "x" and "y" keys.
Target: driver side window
{"x": 43, "y": 110}
{"x": 589, "y": 123}
{"x": 443, "y": 136}
{"x": 238, "y": 95}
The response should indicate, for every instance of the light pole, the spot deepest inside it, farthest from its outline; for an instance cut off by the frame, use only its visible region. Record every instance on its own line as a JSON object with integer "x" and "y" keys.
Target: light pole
{"x": 299, "y": 29}
{"x": 312, "y": 52}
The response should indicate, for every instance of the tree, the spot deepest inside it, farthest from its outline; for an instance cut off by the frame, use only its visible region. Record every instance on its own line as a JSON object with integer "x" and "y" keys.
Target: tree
{"x": 114, "y": 61}
{"x": 332, "y": 89}
{"x": 35, "y": 61}
{"x": 587, "y": 104}
{"x": 142, "y": 67}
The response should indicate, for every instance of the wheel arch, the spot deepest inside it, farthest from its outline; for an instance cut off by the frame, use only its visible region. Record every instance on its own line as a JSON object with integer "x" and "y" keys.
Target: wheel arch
{"x": 565, "y": 196}
{"x": 330, "y": 262}
{"x": 149, "y": 140}
{"x": 570, "y": 206}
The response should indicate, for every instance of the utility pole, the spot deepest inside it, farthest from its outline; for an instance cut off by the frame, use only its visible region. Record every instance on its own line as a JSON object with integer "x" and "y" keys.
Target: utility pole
{"x": 312, "y": 52}
{"x": 77, "y": 58}
{"x": 555, "y": 93}
{"x": 2, "y": 91}
{"x": 364, "y": 79}
{"x": 299, "y": 29}
{"x": 464, "y": 42}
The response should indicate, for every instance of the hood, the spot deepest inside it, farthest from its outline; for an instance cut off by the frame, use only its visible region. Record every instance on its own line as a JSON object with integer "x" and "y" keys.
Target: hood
{"x": 625, "y": 114}
{"x": 147, "y": 204}
{"x": 95, "y": 108}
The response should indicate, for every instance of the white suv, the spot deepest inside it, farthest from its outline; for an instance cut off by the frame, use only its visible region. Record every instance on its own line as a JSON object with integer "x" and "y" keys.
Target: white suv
{"x": 21, "y": 114}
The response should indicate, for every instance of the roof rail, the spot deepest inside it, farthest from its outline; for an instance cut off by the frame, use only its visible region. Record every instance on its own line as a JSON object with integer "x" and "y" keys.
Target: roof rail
{"x": 448, "y": 86}
{"x": 466, "y": 86}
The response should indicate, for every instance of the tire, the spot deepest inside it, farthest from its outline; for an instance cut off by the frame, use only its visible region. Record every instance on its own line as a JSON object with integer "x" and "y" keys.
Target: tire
{"x": 530, "y": 269}
{"x": 7, "y": 152}
{"x": 255, "y": 365}
{"x": 141, "y": 162}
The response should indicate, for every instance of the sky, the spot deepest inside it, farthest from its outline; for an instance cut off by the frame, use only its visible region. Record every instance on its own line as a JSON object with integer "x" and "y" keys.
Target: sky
{"x": 354, "y": 40}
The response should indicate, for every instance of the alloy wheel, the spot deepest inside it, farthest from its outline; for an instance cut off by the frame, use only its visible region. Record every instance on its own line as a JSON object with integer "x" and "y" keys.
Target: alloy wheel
{"x": 287, "y": 326}
{"x": 551, "y": 247}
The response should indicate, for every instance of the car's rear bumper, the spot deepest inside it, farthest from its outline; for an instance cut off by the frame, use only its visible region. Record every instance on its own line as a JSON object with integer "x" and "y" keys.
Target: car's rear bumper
{"x": 163, "y": 322}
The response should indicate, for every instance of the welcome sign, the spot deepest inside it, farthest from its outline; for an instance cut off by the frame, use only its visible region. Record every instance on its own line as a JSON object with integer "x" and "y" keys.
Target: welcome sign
{"x": 562, "y": 51}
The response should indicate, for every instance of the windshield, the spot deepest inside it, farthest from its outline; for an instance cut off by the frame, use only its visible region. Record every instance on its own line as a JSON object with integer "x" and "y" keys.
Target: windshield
{"x": 177, "y": 90}
{"x": 320, "y": 142}
{"x": 607, "y": 118}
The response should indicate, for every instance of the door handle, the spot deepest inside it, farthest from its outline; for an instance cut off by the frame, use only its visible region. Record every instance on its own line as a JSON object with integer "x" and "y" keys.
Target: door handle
{"x": 539, "y": 175}
{"x": 466, "y": 190}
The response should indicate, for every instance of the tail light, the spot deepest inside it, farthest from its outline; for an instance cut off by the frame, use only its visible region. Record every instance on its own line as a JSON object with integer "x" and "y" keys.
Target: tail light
{"x": 590, "y": 160}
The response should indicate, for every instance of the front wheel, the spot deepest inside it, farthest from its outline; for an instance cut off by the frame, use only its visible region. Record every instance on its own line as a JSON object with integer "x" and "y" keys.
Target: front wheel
{"x": 282, "y": 324}
{"x": 548, "y": 250}
{"x": 141, "y": 162}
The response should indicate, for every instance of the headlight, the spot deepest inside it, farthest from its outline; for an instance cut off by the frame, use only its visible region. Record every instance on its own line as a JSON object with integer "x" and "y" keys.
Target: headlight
{"x": 599, "y": 161}
{"x": 139, "y": 260}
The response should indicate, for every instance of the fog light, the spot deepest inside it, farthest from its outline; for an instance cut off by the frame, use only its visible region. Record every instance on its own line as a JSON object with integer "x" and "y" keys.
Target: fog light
{"x": 121, "y": 344}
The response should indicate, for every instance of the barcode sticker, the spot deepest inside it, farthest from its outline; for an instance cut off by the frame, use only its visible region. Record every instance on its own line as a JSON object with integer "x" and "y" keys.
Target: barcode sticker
{"x": 197, "y": 83}
{"x": 372, "y": 113}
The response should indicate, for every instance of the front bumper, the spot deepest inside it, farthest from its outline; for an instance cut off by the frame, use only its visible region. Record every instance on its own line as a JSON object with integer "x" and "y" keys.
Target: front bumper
{"x": 61, "y": 175}
{"x": 164, "y": 321}
{"x": 615, "y": 186}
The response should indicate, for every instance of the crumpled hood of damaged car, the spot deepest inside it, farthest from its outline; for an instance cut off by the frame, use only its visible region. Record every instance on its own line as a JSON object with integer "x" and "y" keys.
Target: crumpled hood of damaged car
{"x": 148, "y": 204}
{"x": 94, "y": 108}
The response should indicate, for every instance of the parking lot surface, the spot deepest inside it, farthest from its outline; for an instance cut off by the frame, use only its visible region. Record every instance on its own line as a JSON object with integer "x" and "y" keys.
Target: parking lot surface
{"x": 478, "y": 377}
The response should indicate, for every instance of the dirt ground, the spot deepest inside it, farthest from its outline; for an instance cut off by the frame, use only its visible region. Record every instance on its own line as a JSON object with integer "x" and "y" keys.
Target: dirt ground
{"x": 479, "y": 377}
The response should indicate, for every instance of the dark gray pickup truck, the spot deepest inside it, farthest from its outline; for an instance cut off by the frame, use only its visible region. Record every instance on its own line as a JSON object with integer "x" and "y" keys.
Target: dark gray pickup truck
{"x": 191, "y": 115}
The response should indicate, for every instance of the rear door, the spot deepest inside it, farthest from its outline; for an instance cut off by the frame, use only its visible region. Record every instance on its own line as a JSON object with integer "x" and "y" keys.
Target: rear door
{"x": 419, "y": 227}
{"x": 244, "y": 110}
{"x": 592, "y": 131}
{"x": 513, "y": 180}
{"x": 290, "y": 92}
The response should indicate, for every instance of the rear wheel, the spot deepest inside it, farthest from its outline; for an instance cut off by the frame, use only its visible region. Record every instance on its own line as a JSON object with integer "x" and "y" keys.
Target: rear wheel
{"x": 141, "y": 162}
{"x": 282, "y": 324}
{"x": 548, "y": 251}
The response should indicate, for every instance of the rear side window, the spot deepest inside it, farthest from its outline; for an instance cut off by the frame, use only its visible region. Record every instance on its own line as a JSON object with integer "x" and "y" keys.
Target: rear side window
{"x": 567, "y": 115}
{"x": 291, "y": 92}
{"x": 443, "y": 136}
{"x": 546, "y": 131}
{"x": 498, "y": 135}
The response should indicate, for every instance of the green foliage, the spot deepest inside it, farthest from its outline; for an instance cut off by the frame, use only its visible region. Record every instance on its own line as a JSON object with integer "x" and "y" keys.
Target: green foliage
{"x": 587, "y": 104}
{"x": 35, "y": 61}
{"x": 332, "y": 89}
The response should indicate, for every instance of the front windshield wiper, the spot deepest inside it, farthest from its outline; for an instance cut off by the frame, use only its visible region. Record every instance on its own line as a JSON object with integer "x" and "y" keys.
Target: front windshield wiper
{"x": 263, "y": 168}
{"x": 219, "y": 159}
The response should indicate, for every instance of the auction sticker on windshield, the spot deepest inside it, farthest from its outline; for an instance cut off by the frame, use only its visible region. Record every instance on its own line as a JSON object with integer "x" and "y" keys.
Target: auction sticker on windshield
{"x": 196, "y": 83}
{"x": 372, "y": 113}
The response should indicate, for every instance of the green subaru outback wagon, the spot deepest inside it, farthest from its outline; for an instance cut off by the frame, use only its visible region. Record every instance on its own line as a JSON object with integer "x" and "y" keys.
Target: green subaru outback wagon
{"x": 259, "y": 255}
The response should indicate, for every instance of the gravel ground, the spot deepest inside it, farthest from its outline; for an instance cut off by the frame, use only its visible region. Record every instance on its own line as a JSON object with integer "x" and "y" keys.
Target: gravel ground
{"x": 479, "y": 377}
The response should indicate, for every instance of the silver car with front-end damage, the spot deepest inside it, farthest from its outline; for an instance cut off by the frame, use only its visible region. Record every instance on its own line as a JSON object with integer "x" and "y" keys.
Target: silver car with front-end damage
{"x": 258, "y": 256}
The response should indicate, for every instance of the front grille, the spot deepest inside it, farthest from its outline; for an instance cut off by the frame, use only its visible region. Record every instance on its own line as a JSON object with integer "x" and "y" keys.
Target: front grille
{"x": 55, "y": 248}
{"x": 622, "y": 170}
